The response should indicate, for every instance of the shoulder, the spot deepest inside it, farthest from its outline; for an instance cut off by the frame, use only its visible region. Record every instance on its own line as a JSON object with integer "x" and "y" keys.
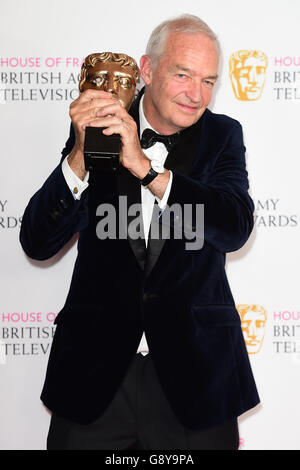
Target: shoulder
{"x": 221, "y": 120}
{"x": 222, "y": 128}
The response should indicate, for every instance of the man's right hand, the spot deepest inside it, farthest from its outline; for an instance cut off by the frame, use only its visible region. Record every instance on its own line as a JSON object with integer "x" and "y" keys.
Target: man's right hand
{"x": 83, "y": 113}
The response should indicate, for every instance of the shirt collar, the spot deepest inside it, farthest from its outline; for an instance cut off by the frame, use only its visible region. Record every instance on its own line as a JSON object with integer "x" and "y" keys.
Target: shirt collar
{"x": 144, "y": 124}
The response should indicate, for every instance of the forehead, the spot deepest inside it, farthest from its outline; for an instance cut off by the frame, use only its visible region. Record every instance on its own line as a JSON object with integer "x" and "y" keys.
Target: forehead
{"x": 251, "y": 62}
{"x": 190, "y": 49}
{"x": 110, "y": 67}
{"x": 253, "y": 315}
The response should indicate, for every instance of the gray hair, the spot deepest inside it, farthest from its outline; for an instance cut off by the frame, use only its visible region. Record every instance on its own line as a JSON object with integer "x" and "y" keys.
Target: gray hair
{"x": 187, "y": 24}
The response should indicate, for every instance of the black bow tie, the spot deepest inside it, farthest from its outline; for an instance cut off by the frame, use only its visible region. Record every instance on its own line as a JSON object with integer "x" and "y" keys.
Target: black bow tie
{"x": 149, "y": 138}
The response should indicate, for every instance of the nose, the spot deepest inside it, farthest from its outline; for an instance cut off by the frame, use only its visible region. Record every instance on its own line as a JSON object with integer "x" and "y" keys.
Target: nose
{"x": 253, "y": 76}
{"x": 194, "y": 92}
{"x": 111, "y": 84}
{"x": 252, "y": 330}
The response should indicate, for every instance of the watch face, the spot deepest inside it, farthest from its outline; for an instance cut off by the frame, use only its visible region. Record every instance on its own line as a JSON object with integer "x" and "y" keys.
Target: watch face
{"x": 157, "y": 166}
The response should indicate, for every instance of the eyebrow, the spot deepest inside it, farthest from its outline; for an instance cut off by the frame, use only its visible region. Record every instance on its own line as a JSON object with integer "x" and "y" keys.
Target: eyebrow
{"x": 190, "y": 71}
{"x": 105, "y": 72}
{"x": 123, "y": 74}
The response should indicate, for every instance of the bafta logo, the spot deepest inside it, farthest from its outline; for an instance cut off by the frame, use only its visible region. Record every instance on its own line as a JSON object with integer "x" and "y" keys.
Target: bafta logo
{"x": 253, "y": 320}
{"x": 247, "y": 70}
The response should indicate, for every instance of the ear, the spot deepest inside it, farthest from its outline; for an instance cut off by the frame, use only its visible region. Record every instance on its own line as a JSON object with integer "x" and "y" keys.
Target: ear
{"x": 146, "y": 69}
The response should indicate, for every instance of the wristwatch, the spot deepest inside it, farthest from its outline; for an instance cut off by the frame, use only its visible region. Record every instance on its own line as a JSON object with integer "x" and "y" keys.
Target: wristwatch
{"x": 156, "y": 169}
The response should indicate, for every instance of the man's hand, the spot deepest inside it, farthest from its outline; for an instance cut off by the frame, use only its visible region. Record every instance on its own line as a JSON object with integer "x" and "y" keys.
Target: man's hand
{"x": 116, "y": 119}
{"x": 98, "y": 108}
{"x": 83, "y": 112}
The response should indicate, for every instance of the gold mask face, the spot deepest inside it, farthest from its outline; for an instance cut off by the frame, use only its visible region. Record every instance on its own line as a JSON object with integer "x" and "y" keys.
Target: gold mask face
{"x": 112, "y": 72}
{"x": 247, "y": 74}
{"x": 253, "y": 320}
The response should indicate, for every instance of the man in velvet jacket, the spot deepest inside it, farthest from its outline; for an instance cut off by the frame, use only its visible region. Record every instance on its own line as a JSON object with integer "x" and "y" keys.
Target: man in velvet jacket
{"x": 121, "y": 288}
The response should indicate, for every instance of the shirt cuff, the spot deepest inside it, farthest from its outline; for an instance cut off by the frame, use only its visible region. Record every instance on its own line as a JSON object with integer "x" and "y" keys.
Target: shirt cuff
{"x": 76, "y": 185}
{"x": 163, "y": 202}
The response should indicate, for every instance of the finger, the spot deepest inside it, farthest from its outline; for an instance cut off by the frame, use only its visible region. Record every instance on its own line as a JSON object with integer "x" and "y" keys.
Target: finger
{"x": 92, "y": 123}
{"x": 96, "y": 108}
{"x": 92, "y": 94}
{"x": 110, "y": 120}
{"x": 85, "y": 120}
{"x": 99, "y": 122}
{"x": 86, "y": 112}
{"x": 112, "y": 108}
{"x": 88, "y": 108}
{"x": 117, "y": 128}
{"x": 102, "y": 103}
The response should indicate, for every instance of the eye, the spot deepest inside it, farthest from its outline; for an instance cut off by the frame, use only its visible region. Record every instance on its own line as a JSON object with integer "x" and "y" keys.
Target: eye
{"x": 246, "y": 324}
{"x": 244, "y": 72}
{"x": 125, "y": 82}
{"x": 98, "y": 81}
{"x": 260, "y": 70}
{"x": 209, "y": 83}
{"x": 181, "y": 77}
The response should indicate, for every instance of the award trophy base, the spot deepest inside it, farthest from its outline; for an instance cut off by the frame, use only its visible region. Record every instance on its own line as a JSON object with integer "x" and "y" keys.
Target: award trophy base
{"x": 101, "y": 152}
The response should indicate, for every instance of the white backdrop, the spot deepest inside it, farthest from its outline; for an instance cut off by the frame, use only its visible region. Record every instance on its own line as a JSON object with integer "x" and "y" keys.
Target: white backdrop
{"x": 42, "y": 44}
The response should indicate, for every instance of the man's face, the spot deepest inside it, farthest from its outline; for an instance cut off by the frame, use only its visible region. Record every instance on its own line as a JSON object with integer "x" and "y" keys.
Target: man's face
{"x": 179, "y": 88}
{"x": 112, "y": 77}
{"x": 248, "y": 78}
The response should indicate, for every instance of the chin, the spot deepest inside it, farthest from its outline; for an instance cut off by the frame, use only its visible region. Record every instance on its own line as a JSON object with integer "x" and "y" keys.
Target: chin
{"x": 183, "y": 123}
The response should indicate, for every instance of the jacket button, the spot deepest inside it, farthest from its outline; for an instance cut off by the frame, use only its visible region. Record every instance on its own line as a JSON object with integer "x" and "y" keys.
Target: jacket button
{"x": 63, "y": 204}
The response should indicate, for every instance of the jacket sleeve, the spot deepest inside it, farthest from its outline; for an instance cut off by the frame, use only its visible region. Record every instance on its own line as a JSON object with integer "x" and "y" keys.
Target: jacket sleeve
{"x": 52, "y": 215}
{"x": 223, "y": 191}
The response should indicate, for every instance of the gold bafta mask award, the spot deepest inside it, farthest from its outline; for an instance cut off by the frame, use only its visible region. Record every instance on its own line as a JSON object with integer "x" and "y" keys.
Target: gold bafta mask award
{"x": 247, "y": 71}
{"x": 253, "y": 321}
{"x": 117, "y": 73}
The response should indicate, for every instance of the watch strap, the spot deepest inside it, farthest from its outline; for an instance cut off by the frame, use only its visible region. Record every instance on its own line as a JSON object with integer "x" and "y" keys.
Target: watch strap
{"x": 149, "y": 177}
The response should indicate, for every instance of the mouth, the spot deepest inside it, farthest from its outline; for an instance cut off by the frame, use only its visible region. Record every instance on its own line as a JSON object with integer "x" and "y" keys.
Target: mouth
{"x": 188, "y": 109}
{"x": 252, "y": 89}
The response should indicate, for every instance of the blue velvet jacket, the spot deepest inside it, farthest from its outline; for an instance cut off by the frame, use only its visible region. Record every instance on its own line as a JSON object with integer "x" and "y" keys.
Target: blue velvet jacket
{"x": 180, "y": 298}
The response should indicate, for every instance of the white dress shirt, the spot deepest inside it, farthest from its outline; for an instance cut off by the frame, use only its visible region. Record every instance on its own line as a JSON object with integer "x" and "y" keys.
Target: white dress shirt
{"x": 157, "y": 152}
